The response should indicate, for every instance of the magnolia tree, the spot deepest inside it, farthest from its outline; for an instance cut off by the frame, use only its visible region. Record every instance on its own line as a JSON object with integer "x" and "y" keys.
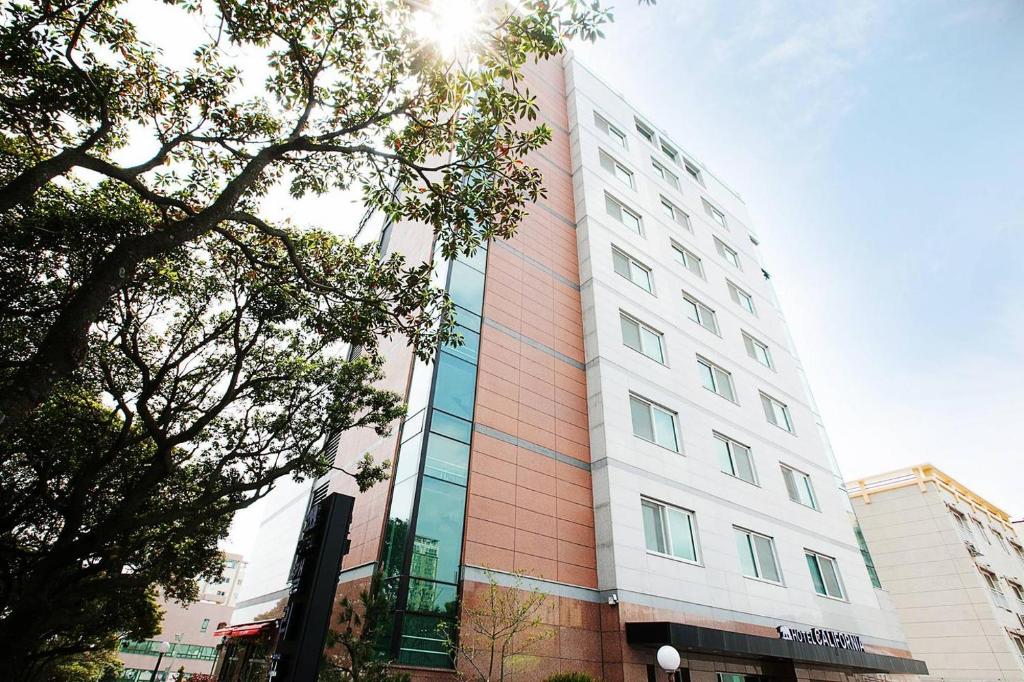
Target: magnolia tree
{"x": 167, "y": 349}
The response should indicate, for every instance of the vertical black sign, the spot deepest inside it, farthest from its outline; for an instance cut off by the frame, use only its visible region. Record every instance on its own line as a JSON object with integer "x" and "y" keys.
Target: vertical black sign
{"x": 313, "y": 581}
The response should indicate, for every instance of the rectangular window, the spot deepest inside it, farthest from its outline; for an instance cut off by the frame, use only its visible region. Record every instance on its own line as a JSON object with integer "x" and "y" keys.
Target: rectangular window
{"x": 616, "y": 168}
{"x": 714, "y": 213}
{"x": 728, "y": 253}
{"x": 610, "y": 130}
{"x": 741, "y": 298}
{"x": 640, "y": 337}
{"x": 798, "y": 485}
{"x": 735, "y": 459}
{"x": 668, "y": 151}
{"x": 669, "y": 530}
{"x": 1019, "y": 551}
{"x": 758, "y": 350}
{"x": 700, "y": 313}
{"x": 632, "y": 269}
{"x": 716, "y": 379}
{"x": 757, "y": 555}
{"x": 628, "y": 217}
{"x": 981, "y": 530}
{"x": 1017, "y": 590}
{"x": 776, "y": 413}
{"x": 1000, "y": 540}
{"x": 1018, "y": 642}
{"x": 962, "y": 526}
{"x": 689, "y": 259}
{"x": 653, "y": 423}
{"x": 645, "y": 131}
{"x": 694, "y": 172}
{"x": 993, "y": 587}
{"x": 865, "y": 554}
{"x": 825, "y": 575}
{"x": 665, "y": 174}
{"x": 675, "y": 214}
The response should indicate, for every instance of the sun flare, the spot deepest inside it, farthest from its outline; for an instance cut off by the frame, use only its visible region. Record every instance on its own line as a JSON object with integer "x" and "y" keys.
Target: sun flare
{"x": 450, "y": 25}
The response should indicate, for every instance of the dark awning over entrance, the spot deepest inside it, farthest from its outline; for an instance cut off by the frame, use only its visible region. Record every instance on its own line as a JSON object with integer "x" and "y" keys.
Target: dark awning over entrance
{"x": 725, "y": 643}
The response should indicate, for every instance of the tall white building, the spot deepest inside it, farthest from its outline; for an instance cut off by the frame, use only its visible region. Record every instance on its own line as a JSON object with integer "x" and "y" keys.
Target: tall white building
{"x": 627, "y": 426}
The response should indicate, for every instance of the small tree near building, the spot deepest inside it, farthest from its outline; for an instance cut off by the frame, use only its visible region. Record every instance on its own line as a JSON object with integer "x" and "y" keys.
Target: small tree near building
{"x": 499, "y": 628}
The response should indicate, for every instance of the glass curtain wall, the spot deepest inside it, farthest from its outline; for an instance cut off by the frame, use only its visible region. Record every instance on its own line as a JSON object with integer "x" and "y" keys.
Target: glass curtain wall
{"x": 422, "y": 553}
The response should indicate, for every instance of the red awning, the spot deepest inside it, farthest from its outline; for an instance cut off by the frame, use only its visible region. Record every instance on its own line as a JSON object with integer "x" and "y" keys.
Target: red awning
{"x": 245, "y": 629}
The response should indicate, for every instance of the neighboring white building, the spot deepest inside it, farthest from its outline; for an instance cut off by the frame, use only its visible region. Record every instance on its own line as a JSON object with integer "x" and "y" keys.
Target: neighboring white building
{"x": 954, "y": 565}
{"x": 716, "y": 494}
{"x": 225, "y": 589}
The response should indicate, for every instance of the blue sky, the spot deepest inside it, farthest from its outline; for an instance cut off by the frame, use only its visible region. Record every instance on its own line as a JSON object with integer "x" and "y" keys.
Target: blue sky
{"x": 879, "y": 147}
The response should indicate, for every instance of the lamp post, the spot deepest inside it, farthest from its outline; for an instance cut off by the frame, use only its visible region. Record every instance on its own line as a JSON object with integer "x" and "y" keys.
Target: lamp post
{"x": 668, "y": 660}
{"x": 163, "y": 649}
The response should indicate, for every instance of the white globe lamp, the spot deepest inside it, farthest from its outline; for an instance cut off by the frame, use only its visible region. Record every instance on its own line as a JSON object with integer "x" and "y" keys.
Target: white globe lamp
{"x": 668, "y": 659}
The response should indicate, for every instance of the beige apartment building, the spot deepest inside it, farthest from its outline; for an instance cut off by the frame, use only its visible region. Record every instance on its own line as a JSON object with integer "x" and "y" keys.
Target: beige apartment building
{"x": 188, "y": 630}
{"x": 953, "y": 564}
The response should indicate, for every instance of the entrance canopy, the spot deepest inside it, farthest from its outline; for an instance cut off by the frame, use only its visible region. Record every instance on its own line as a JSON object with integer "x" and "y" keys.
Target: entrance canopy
{"x": 245, "y": 629}
{"x": 725, "y": 643}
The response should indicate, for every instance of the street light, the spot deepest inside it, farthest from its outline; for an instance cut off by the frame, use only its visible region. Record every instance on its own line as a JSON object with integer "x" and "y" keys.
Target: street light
{"x": 163, "y": 649}
{"x": 668, "y": 660}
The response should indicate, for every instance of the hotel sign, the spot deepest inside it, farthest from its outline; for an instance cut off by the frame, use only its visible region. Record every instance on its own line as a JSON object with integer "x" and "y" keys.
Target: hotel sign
{"x": 830, "y": 638}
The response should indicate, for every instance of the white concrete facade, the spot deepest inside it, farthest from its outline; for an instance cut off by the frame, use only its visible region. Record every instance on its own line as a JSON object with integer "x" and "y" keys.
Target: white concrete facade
{"x": 933, "y": 541}
{"x": 626, "y": 467}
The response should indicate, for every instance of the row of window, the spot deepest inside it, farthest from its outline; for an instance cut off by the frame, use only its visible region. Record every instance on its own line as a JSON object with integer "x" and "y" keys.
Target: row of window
{"x": 672, "y": 531}
{"x": 632, "y": 220}
{"x": 178, "y": 650}
{"x": 968, "y": 534}
{"x": 645, "y": 131}
{"x": 654, "y": 423}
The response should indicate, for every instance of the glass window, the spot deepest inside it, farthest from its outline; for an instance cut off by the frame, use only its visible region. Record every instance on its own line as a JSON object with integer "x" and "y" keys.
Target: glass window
{"x": 619, "y": 170}
{"x": 632, "y": 269}
{"x": 675, "y": 214}
{"x": 669, "y": 151}
{"x": 716, "y": 379}
{"x": 866, "y": 555}
{"x": 1018, "y": 641}
{"x": 776, "y": 413}
{"x": 758, "y": 350}
{"x": 645, "y": 131}
{"x": 735, "y": 459}
{"x": 654, "y": 423}
{"x": 669, "y": 530}
{"x": 700, "y": 313}
{"x": 1018, "y": 591}
{"x": 824, "y": 575}
{"x": 626, "y": 216}
{"x": 397, "y": 531}
{"x": 455, "y": 388}
{"x": 469, "y": 349}
{"x": 610, "y": 130}
{"x": 453, "y": 427}
{"x": 961, "y": 523}
{"x": 640, "y": 337}
{"x": 741, "y": 298}
{"x": 694, "y": 172}
{"x": 728, "y": 253}
{"x": 798, "y": 485}
{"x": 665, "y": 174}
{"x": 981, "y": 530}
{"x": 689, "y": 259}
{"x": 447, "y": 459}
{"x": 757, "y": 555}
{"x": 1002, "y": 541}
{"x": 994, "y": 589}
{"x": 438, "y": 542}
{"x": 432, "y": 597}
{"x": 205, "y": 625}
{"x": 714, "y": 213}
{"x": 423, "y": 642}
{"x": 466, "y": 286}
